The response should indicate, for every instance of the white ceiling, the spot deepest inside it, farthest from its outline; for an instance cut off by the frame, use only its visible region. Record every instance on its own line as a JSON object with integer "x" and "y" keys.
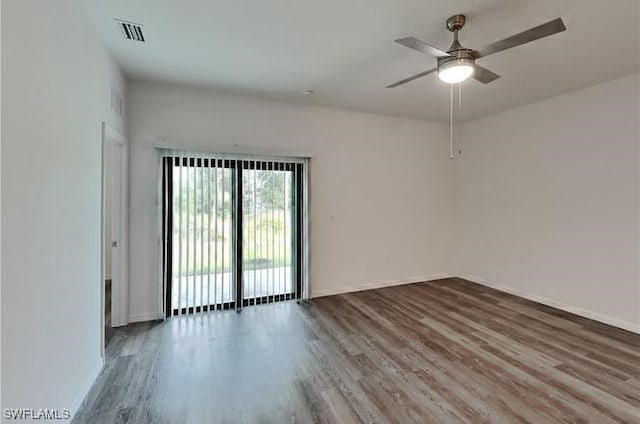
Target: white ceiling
{"x": 344, "y": 49}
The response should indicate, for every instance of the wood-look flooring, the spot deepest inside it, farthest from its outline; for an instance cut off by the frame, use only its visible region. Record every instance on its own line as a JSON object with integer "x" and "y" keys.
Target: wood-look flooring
{"x": 446, "y": 351}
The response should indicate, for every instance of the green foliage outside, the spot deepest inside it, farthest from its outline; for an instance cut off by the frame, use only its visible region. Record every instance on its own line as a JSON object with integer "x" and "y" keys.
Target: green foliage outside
{"x": 203, "y": 206}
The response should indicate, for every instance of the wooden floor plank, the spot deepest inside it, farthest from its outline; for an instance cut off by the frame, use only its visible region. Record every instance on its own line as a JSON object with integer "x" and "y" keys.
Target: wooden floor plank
{"x": 445, "y": 351}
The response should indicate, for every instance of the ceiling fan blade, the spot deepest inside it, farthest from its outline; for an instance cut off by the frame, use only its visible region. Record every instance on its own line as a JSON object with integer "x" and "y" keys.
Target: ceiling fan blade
{"x": 541, "y": 31}
{"x": 411, "y": 78}
{"x": 484, "y": 75}
{"x": 421, "y": 46}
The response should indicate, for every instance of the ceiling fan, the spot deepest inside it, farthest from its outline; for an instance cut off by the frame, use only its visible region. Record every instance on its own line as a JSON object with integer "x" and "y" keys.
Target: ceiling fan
{"x": 459, "y": 63}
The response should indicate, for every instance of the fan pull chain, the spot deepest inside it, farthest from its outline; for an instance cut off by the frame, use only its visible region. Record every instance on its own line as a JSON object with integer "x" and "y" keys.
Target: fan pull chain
{"x": 451, "y": 107}
{"x": 451, "y": 122}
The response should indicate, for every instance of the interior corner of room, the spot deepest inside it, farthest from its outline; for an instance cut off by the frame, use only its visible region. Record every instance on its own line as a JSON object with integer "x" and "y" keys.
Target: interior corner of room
{"x": 302, "y": 184}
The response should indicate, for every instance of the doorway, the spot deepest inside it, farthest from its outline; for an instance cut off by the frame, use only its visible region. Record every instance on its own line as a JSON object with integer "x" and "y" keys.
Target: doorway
{"x": 232, "y": 232}
{"x": 114, "y": 231}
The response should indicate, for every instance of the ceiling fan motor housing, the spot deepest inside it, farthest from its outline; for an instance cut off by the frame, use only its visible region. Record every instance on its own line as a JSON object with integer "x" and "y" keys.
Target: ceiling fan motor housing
{"x": 462, "y": 56}
{"x": 457, "y": 53}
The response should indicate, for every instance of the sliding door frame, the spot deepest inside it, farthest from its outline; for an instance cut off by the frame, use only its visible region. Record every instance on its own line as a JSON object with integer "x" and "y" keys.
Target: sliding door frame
{"x": 237, "y": 166}
{"x": 167, "y": 230}
{"x": 297, "y": 220}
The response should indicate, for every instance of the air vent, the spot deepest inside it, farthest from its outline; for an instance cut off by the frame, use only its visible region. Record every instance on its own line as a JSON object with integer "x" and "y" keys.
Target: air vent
{"x": 131, "y": 30}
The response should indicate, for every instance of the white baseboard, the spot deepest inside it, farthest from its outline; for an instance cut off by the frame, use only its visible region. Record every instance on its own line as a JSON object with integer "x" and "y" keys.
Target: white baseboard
{"x": 149, "y": 316}
{"x": 152, "y": 316}
{"x": 86, "y": 387}
{"x": 376, "y": 285}
{"x": 606, "y": 319}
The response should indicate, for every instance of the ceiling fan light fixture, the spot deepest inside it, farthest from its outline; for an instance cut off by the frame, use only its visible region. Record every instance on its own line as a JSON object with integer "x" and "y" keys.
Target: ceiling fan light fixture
{"x": 456, "y": 71}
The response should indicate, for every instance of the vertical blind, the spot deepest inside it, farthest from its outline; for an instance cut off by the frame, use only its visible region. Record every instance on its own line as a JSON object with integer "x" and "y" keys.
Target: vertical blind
{"x": 232, "y": 230}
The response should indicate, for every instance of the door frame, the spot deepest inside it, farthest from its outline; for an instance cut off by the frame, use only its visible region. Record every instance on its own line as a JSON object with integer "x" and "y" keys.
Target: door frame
{"x": 237, "y": 164}
{"x": 120, "y": 278}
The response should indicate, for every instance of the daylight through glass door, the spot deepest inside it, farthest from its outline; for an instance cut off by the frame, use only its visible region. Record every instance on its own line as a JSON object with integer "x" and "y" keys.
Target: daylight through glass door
{"x": 231, "y": 231}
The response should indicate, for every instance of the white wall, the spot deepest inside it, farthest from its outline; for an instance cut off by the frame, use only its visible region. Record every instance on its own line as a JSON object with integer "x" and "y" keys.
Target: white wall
{"x": 56, "y": 80}
{"x": 380, "y": 195}
{"x": 547, "y": 201}
{"x": 1, "y": 397}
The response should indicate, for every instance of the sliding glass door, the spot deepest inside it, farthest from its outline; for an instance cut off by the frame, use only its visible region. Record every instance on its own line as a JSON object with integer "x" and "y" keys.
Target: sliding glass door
{"x": 231, "y": 231}
{"x": 270, "y": 231}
